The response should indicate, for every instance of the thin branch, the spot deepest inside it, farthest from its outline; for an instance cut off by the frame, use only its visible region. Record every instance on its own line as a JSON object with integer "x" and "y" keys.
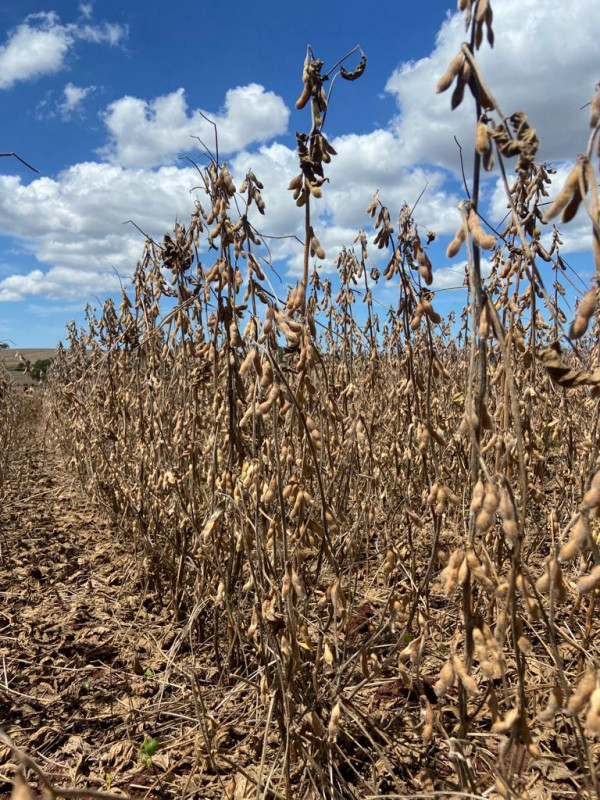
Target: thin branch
{"x": 22, "y": 160}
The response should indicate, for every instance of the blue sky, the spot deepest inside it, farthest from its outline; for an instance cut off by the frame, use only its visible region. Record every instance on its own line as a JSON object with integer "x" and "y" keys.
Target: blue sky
{"x": 104, "y": 102}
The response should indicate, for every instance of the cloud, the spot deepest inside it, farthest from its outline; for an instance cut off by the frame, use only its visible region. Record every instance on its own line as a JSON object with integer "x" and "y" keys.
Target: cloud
{"x": 108, "y": 33}
{"x": 37, "y": 47}
{"x": 374, "y": 161}
{"x": 538, "y": 64}
{"x": 59, "y": 283}
{"x": 40, "y": 45}
{"x": 86, "y": 10}
{"x": 147, "y": 133}
{"x": 73, "y": 98}
{"x": 74, "y": 224}
{"x": 543, "y": 62}
{"x": 449, "y": 277}
{"x": 455, "y": 277}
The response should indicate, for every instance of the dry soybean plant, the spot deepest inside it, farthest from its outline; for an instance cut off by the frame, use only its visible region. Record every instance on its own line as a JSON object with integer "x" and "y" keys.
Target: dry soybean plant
{"x": 380, "y": 536}
{"x": 8, "y": 421}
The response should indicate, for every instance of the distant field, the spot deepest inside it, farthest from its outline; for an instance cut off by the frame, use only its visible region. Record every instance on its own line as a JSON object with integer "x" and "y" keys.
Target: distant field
{"x": 10, "y": 359}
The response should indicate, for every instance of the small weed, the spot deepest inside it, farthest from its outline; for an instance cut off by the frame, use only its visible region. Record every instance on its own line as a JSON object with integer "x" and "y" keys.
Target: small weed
{"x": 147, "y": 749}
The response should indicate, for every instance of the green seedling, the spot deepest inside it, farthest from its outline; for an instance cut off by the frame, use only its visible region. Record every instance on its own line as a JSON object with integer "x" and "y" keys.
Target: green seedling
{"x": 147, "y": 749}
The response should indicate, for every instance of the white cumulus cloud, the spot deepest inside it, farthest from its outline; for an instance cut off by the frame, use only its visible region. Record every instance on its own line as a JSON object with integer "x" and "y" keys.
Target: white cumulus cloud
{"x": 58, "y": 283}
{"x": 40, "y": 45}
{"x": 147, "y": 133}
{"x": 74, "y": 224}
{"x": 544, "y": 62}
